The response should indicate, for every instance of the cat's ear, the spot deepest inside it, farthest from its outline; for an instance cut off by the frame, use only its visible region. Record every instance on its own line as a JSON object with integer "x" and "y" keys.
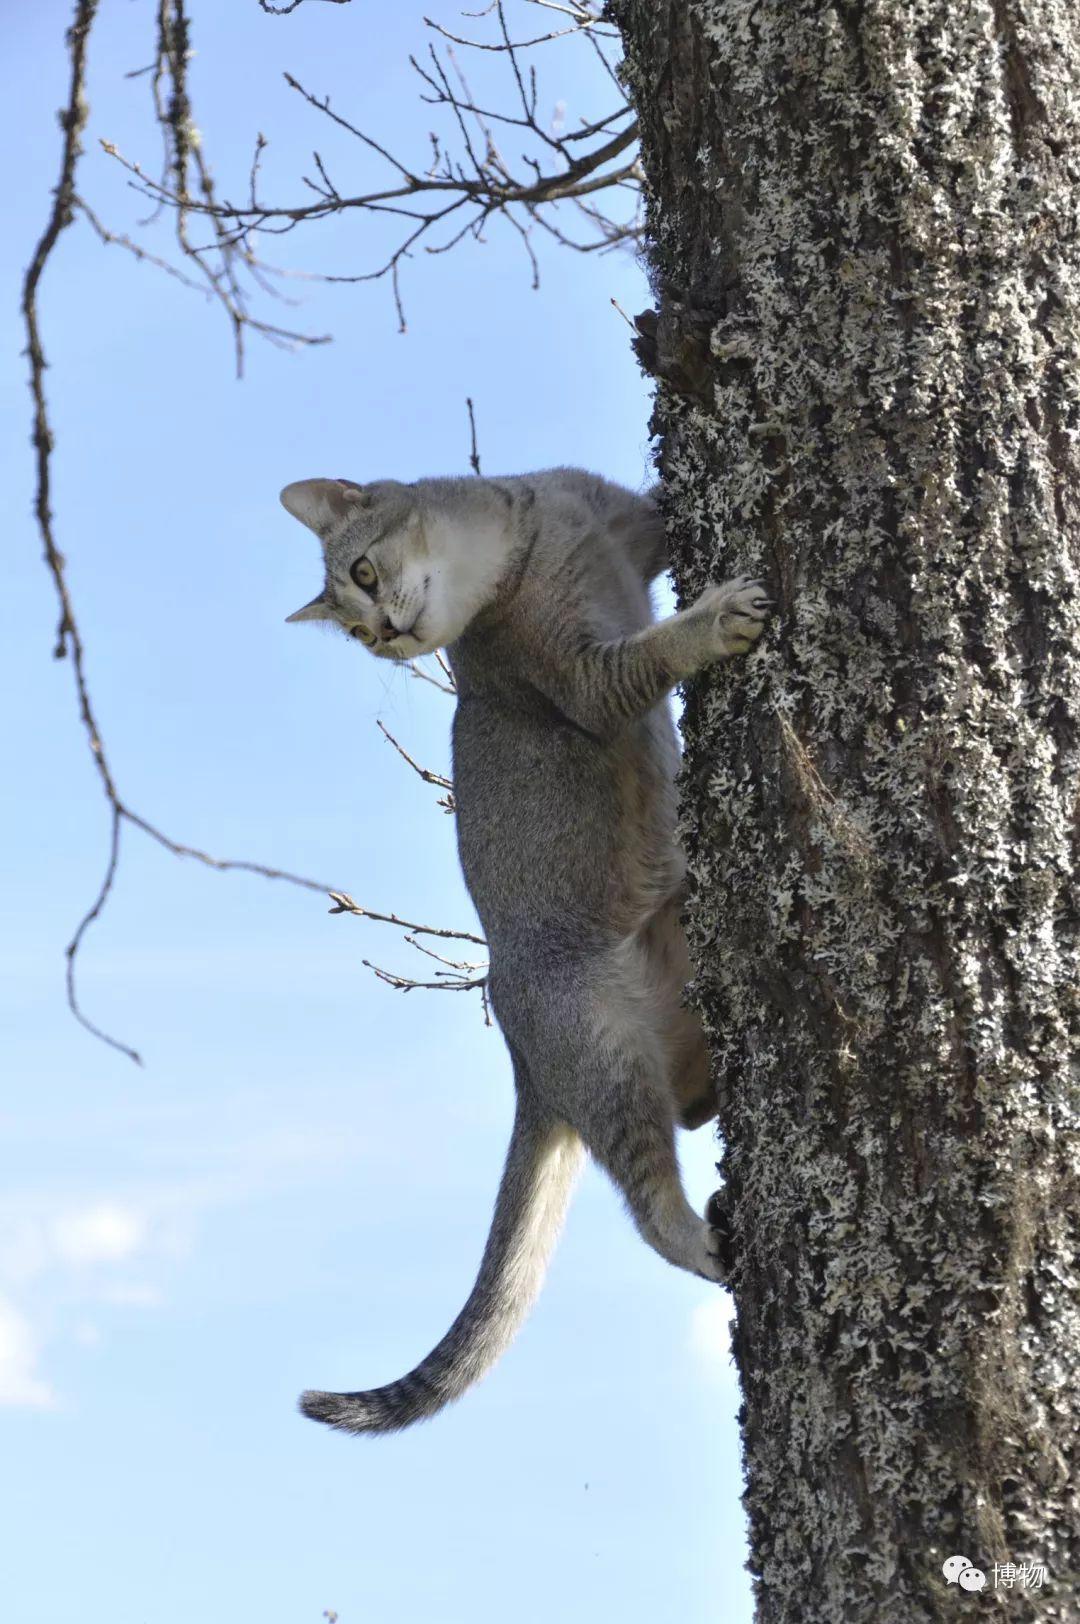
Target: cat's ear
{"x": 317, "y": 609}
{"x": 321, "y": 504}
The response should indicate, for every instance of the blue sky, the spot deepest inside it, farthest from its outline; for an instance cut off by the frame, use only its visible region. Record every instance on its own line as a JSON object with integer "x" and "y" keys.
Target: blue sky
{"x": 295, "y": 1190}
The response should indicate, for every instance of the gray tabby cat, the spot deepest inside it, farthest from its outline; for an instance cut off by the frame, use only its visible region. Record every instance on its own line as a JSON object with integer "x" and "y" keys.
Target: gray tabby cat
{"x": 564, "y": 763}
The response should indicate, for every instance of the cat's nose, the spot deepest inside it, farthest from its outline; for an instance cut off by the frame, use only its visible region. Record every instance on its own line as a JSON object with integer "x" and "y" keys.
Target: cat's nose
{"x": 388, "y": 630}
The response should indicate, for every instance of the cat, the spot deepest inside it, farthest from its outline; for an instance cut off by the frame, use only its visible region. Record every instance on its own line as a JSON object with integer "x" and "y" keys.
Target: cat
{"x": 564, "y": 759}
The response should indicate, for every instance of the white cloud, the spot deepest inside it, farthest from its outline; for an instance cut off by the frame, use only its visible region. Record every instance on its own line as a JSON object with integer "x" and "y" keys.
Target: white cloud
{"x": 51, "y": 1258}
{"x": 710, "y": 1334}
{"x": 66, "y": 1257}
{"x": 20, "y": 1385}
{"x": 106, "y": 1233}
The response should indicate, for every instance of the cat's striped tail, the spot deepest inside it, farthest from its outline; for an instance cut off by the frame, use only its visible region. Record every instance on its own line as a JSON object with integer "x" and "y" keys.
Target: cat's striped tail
{"x": 541, "y": 1165}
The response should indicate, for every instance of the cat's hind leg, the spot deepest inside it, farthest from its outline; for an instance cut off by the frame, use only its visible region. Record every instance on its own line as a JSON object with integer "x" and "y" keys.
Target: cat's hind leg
{"x": 667, "y": 960}
{"x": 637, "y": 1150}
{"x": 602, "y": 1067}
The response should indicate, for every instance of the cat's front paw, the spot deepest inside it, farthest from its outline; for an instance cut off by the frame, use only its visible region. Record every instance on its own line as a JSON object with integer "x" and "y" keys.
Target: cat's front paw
{"x": 733, "y": 615}
{"x": 715, "y": 1261}
{"x": 721, "y": 1240}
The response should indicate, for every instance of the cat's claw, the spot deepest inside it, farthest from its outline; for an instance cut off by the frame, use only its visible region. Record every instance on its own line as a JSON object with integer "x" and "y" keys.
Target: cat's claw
{"x": 721, "y": 1241}
{"x": 736, "y": 611}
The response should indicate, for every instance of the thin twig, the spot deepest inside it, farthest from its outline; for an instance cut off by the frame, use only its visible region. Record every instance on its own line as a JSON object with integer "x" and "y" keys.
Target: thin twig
{"x": 121, "y": 240}
{"x": 343, "y": 903}
{"x": 407, "y": 984}
{"x": 518, "y": 44}
{"x": 458, "y": 966}
{"x": 423, "y": 772}
{"x": 474, "y": 455}
{"x": 444, "y": 666}
{"x": 458, "y": 976}
{"x": 283, "y": 11}
{"x": 425, "y": 676}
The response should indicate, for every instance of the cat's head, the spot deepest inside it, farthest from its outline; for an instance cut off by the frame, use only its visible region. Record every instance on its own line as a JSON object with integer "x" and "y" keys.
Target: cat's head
{"x": 405, "y": 571}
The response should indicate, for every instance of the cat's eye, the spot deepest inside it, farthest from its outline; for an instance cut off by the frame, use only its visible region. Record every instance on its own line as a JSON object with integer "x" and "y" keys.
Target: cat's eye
{"x": 367, "y": 637}
{"x": 363, "y": 573}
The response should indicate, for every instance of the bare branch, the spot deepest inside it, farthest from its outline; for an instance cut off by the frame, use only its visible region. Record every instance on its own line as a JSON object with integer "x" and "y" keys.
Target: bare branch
{"x": 343, "y": 903}
{"x": 521, "y": 44}
{"x": 583, "y": 14}
{"x": 444, "y": 666}
{"x": 579, "y": 179}
{"x": 461, "y": 966}
{"x": 323, "y": 106}
{"x": 408, "y": 984}
{"x": 69, "y": 642}
{"x": 460, "y": 193}
{"x": 72, "y": 121}
{"x": 83, "y": 926}
{"x": 121, "y": 240}
{"x": 221, "y": 865}
{"x": 283, "y": 11}
{"x": 422, "y": 772}
{"x": 474, "y": 455}
{"x": 220, "y": 262}
{"x": 425, "y": 676}
{"x": 459, "y": 976}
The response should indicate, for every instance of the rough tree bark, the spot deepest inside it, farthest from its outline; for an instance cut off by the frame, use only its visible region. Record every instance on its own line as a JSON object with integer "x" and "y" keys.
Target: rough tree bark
{"x": 866, "y": 251}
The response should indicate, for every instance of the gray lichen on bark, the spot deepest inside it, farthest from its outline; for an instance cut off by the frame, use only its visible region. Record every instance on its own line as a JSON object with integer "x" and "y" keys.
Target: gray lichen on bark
{"x": 865, "y": 244}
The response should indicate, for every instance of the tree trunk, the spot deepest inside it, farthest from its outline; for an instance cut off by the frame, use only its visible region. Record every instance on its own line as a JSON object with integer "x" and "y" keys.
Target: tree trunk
{"x": 866, "y": 251}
